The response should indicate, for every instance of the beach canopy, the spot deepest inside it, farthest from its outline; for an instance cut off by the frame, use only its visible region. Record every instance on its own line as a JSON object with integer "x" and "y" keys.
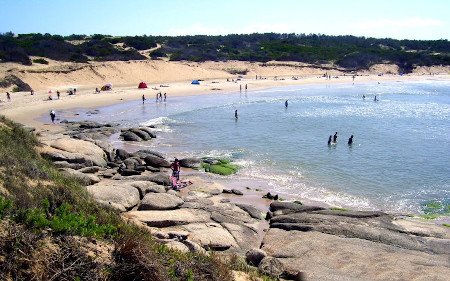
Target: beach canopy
{"x": 142, "y": 85}
{"x": 106, "y": 87}
{"x": 195, "y": 82}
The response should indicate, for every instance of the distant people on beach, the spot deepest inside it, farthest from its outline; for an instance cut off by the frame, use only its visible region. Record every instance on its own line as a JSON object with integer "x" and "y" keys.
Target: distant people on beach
{"x": 175, "y": 167}
{"x": 335, "y": 137}
{"x": 364, "y": 97}
{"x": 350, "y": 140}
{"x": 8, "y": 96}
{"x": 329, "y": 140}
{"x": 157, "y": 97}
{"x": 97, "y": 90}
{"x": 32, "y": 92}
{"x": 52, "y": 115}
{"x": 74, "y": 91}
{"x": 165, "y": 96}
{"x": 236, "y": 114}
{"x": 246, "y": 87}
{"x": 375, "y": 98}
{"x": 58, "y": 94}
{"x": 143, "y": 99}
{"x": 240, "y": 88}
{"x": 286, "y": 104}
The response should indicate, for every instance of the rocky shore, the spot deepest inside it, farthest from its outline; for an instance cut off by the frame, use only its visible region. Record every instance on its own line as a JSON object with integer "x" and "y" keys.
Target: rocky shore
{"x": 288, "y": 240}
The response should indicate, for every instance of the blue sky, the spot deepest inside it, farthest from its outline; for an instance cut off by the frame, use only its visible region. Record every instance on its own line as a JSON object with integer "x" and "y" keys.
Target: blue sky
{"x": 398, "y": 19}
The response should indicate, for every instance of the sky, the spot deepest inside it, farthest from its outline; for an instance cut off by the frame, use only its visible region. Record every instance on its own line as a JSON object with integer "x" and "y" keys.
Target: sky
{"x": 399, "y": 19}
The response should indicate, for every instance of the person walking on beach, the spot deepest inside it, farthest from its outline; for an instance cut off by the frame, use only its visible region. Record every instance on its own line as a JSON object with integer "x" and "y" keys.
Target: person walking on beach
{"x": 160, "y": 96}
{"x": 157, "y": 97}
{"x": 8, "y": 96}
{"x": 286, "y": 104}
{"x": 32, "y": 92}
{"x": 175, "y": 167}
{"x": 240, "y": 88}
{"x": 52, "y": 115}
{"x": 245, "y": 87}
{"x": 375, "y": 98}
{"x": 143, "y": 99}
{"x": 58, "y": 94}
{"x": 364, "y": 97}
{"x": 165, "y": 97}
{"x": 235, "y": 114}
{"x": 335, "y": 137}
{"x": 350, "y": 140}
{"x": 329, "y": 140}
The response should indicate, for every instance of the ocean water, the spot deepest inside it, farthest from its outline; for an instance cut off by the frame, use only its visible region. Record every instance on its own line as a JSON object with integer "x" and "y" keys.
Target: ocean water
{"x": 399, "y": 159}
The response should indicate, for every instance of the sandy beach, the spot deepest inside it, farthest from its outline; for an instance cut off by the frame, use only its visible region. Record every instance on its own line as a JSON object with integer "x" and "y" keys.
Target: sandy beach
{"x": 173, "y": 78}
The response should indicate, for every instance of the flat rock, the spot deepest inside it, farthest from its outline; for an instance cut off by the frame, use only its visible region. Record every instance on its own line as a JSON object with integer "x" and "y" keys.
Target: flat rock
{"x": 156, "y": 161}
{"x": 90, "y": 170}
{"x": 122, "y": 195}
{"x": 130, "y": 136}
{"x": 145, "y": 187}
{"x": 160, "y": 201}
{"x": 329, "y": 257}
{"x": 211, "y": 236}
{"x": 278, "y": 205}
{"x": 170, "y": 218}
{"x": 237, "y": 192}
{"x": 193, "y": 163}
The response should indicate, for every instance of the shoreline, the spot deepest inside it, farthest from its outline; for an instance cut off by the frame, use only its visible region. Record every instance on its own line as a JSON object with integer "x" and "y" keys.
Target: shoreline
{"x": 26, "y": 109}
{"x": 84, "y": 99}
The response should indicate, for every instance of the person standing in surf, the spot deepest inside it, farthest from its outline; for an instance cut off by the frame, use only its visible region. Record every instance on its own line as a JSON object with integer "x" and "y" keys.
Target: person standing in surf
{"x": 286, "y": 104}
{"x": 350, "y": 140}
{"x": 143, "y": 99}
{"x": 329, "y": 140}
{"x": 235, "y": 114}
{"x": 52, "y": 115}
{"x": 335, "y": 137}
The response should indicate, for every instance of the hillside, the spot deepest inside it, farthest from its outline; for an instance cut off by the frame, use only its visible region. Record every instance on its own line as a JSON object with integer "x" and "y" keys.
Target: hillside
{"x": 349, "y": 52}
{"x": 51, "y": 229}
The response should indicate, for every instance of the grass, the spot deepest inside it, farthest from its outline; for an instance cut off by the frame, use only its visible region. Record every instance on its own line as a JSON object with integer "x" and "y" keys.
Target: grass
{"x": 446, "y": 224}
{"x": 46, "y": 215}
{"x": 223, "y": 167}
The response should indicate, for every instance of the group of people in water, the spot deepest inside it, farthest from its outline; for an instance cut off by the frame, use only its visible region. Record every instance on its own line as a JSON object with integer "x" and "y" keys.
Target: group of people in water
{"x": 333, "y": 139}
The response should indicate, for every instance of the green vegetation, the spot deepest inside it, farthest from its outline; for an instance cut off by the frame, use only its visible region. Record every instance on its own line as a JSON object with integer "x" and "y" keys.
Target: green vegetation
{"x": 50, "y": 226}
{"x": 222, "y": 167}
{"x": 349, "y": 52}
{"x": 40, "y": 60}
{"x": 434, "y": 209}
{"x": 446, "y": 224}
{"x": 236, "y": 71}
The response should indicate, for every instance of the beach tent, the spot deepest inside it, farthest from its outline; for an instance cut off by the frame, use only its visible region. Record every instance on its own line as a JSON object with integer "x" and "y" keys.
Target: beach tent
{"x": 142, "y": 85}
{"x": 106, "y": 87}
{"x": 195, "y": 82}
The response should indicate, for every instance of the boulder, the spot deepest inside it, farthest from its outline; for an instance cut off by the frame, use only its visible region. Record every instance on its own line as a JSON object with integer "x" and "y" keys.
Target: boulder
{"x": 170, "y": 218}
{"x": 145, "y": 152}
{"x": 193, "y": 247}
{"x": 246, "y": 237}
{"x": 128, "y": 172}
{"x": 122, "y": 154}
{"x": 237, "y": 192}
{"x": 271, "y": 266}
{"x": 84, "y": 149}
{"x": 175, "y": 245}
{"x": 156, "y": 161}
{"x": 65, "y": 164}
{"x": 193, "y": 163}
{"x": 141, "y": 133}
{"x": 85, "y": 179}
{"x": 107, "y": 148}
{"x": 149, "y": 131}
{"x": 131, "y": 163}
{"x": 145, "y": 187}
{"x": 122, "y": 195}
{"x": 252, "y": 211}
{"x": 90, "y": 170}
{"x": 160, "y": 201}
{"x": 211, "y": 236}
{"x": 160, "y": 178}
{"x": 254, "y": 256}
{"x": 130, "y": 136}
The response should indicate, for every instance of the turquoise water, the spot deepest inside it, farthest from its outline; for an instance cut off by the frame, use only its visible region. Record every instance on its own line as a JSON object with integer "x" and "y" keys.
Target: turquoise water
{"x": 399, "y": 157}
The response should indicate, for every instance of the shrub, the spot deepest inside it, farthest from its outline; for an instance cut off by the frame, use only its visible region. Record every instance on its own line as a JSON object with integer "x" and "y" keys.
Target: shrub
{"x": 5, "y": 207}
{"x": 237, "y": 71}
{"x": 15, "y": 89}
{"x": 40, "y": 60}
